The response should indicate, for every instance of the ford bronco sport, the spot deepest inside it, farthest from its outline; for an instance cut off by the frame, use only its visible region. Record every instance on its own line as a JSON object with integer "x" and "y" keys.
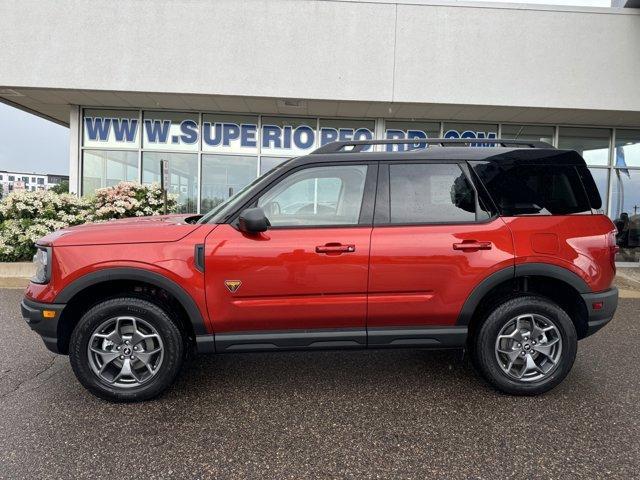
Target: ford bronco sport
{"x": 499, "y": 248}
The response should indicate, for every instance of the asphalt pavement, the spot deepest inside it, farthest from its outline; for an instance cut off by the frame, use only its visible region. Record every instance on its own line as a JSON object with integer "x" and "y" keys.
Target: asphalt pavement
{"x": 369, "y": 414}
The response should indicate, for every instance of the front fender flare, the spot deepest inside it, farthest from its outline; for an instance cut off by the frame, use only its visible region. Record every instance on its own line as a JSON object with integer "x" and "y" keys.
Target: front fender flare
{"x": 137, "y": 274}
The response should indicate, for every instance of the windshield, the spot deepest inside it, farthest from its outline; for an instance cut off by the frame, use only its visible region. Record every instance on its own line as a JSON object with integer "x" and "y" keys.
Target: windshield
{"x": 221, "y": 211}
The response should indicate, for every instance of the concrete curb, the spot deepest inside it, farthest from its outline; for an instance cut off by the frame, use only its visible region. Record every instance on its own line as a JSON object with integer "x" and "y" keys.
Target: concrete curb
{"x": 16, "y": 274}
{"x": 14, "y": 282}
{"x": 17, "y": 270}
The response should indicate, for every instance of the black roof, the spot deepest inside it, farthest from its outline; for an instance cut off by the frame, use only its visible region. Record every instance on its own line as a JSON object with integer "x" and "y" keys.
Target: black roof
{"x": 438, "y": 149}
{"x": 511, "y": 152}
{"x": 355, "y": 146}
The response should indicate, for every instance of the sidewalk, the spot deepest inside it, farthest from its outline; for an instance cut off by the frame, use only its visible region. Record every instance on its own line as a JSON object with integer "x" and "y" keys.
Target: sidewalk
{"x": 628, "y": 282}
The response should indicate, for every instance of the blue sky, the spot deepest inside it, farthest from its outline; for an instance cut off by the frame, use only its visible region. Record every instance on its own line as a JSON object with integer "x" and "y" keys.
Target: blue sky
{"x": 32, "y": 144}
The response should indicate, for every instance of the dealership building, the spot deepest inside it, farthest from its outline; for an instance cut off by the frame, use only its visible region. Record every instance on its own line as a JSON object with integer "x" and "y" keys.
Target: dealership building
{"x": 226, "y": 90}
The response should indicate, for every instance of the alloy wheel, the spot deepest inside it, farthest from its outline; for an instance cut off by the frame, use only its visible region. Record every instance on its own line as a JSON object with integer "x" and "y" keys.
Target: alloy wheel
{"x": 125, "y": 351}
{"x": 528, "y": 347}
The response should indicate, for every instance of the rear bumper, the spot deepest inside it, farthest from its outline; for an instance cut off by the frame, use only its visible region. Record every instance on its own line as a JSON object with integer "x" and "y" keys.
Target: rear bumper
{"x": 47, "y": 328}
{"x": 599, "y": 317}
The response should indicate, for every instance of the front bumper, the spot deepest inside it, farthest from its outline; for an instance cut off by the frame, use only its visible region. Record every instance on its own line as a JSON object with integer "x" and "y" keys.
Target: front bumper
{"x": 46, "y": 327}
{"x": 599, "y": 317}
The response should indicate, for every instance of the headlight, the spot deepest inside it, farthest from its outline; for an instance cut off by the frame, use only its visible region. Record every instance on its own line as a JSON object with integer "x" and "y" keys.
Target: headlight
{"x": 42, "y": 262}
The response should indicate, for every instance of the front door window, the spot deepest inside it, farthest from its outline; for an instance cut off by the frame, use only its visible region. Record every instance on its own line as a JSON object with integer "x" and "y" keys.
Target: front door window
{"x": 318, "y": 196}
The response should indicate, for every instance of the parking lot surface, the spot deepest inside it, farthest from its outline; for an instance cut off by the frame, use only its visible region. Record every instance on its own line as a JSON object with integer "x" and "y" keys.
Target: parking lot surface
{"x": 369, "y": 414}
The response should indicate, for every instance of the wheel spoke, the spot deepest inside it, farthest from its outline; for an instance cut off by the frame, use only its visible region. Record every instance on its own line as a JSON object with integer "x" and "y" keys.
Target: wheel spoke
{"x": 126, "y": 371}
{"x": 511, "y": 336}
{"x": 536, "y": 331}
{"x": 107, "y": 356}
{"x": 545, "y": 350}
{"x": 145, "y": 357}
{"x": 511, "y": 354}
{"x": 530, "y": 365}
{"x": 139, "y": 336}
{"x": 113, "y": 337}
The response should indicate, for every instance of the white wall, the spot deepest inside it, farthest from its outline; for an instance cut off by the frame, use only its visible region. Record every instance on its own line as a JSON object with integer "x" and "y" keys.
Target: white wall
{"x": 343, "y": 50}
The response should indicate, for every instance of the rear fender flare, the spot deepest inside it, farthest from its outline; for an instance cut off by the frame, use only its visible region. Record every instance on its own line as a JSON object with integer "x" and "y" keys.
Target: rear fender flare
{"x": 511, "y": 273}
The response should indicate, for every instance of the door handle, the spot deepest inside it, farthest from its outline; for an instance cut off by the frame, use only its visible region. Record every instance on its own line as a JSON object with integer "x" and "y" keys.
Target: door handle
{"x": 472, "y": 246}
{"x": 335, "y": 248}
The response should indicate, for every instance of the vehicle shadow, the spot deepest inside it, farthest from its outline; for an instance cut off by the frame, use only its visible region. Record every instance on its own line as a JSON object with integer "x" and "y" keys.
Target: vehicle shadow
{"x": 342, "y": 373}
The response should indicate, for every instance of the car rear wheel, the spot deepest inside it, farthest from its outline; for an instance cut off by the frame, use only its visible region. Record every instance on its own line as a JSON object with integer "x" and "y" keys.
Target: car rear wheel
{"x": 526, "y": 346}
{"x": 126, "y": 349}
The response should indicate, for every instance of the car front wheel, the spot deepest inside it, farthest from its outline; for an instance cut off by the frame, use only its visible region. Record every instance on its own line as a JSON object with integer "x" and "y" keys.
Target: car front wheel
{"x": 526, "y": 346}
{"x": 126, "y": 349}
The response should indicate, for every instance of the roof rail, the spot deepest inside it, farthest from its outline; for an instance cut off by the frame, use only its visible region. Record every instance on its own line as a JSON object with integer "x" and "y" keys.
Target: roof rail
{"x": 359, "y": 145}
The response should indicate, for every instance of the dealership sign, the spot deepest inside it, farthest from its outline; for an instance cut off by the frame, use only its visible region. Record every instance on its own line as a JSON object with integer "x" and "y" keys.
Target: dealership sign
{"x": 248, "y": 138}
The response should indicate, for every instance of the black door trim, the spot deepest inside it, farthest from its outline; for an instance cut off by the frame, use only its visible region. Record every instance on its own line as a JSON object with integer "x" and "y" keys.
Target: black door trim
{"x": 411, "y": 337}
{"x": 262, "y": 341}
{"x": 334, "y": 339}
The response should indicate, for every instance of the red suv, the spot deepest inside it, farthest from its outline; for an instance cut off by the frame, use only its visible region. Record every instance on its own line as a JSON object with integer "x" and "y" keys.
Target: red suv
{"x": 497, "y": 247}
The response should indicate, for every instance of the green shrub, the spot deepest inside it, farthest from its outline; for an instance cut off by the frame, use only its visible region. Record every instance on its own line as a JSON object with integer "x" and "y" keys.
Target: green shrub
{"x": 27, "y": 216}
{"x": 128, "y": 199}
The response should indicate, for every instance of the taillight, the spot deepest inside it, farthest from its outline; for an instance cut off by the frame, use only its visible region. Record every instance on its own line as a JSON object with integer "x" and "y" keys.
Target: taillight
{"x": 613, "y": 248}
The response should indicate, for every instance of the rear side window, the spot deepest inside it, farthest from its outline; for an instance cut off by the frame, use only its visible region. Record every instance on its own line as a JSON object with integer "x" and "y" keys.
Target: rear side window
{"x": 430, "y": 193}
{"x": 519, "y": 189}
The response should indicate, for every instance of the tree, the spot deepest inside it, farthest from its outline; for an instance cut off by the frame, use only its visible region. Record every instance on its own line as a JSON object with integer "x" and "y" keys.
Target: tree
{"x": 62, "y": 187}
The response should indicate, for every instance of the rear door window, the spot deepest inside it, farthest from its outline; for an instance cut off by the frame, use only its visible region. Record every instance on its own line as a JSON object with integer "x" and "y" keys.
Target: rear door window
{"x": 430, "y": 193}
{"x": 528, "y": 189}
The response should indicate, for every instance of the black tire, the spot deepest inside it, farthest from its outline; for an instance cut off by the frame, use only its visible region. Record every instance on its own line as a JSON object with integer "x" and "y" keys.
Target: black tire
{"x": 170, "y": 335}
{"x": 484, "y": 345}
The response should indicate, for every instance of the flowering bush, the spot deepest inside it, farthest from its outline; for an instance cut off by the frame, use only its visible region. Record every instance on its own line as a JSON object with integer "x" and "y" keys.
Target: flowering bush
{"x": 27, "y": 216}
{"x": 128, "y": 199}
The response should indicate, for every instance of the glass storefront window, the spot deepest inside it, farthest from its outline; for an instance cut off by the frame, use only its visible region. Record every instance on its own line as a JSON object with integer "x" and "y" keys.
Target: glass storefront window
{"x": 625, "y": 211}
{"x": 183, "y": 173}
{"x": 288, "y": 136}
{"x": 268, "y": 163}
{"x": 223, "y": 176}
{"x": 346, "y": 130}
{"x": 406, "y": 130}
{"x": 111, "y": 129}
{"x": 627, "y": 148}
{"x": 105, "y": 168}
{"x": 171, "y": 131}
{"x": 470, "y": 130}
{"x": 541, "y": 133}
{"x": 601, "y": 178}
{"x": 230, "y": 134}
{"x": 591, "y": 143}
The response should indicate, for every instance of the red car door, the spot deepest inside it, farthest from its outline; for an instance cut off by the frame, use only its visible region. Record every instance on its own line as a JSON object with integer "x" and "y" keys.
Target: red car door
{"x": 432, "y": 244}
{"x": 303, "y": 282}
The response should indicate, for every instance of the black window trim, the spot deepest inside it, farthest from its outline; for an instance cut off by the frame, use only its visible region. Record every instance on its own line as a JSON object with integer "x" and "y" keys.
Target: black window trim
{"x": 382, "y": 215}
{"x": 366, "y": 208}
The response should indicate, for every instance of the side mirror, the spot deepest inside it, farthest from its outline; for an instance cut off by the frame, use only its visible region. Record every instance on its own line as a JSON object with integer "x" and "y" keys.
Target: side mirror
{"x": 253, "y": 220}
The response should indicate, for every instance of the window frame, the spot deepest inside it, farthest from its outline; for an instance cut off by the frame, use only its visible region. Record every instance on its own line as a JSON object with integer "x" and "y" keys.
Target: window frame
{"x": 366, "y": 208}
{"x": 382, "y": 214}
